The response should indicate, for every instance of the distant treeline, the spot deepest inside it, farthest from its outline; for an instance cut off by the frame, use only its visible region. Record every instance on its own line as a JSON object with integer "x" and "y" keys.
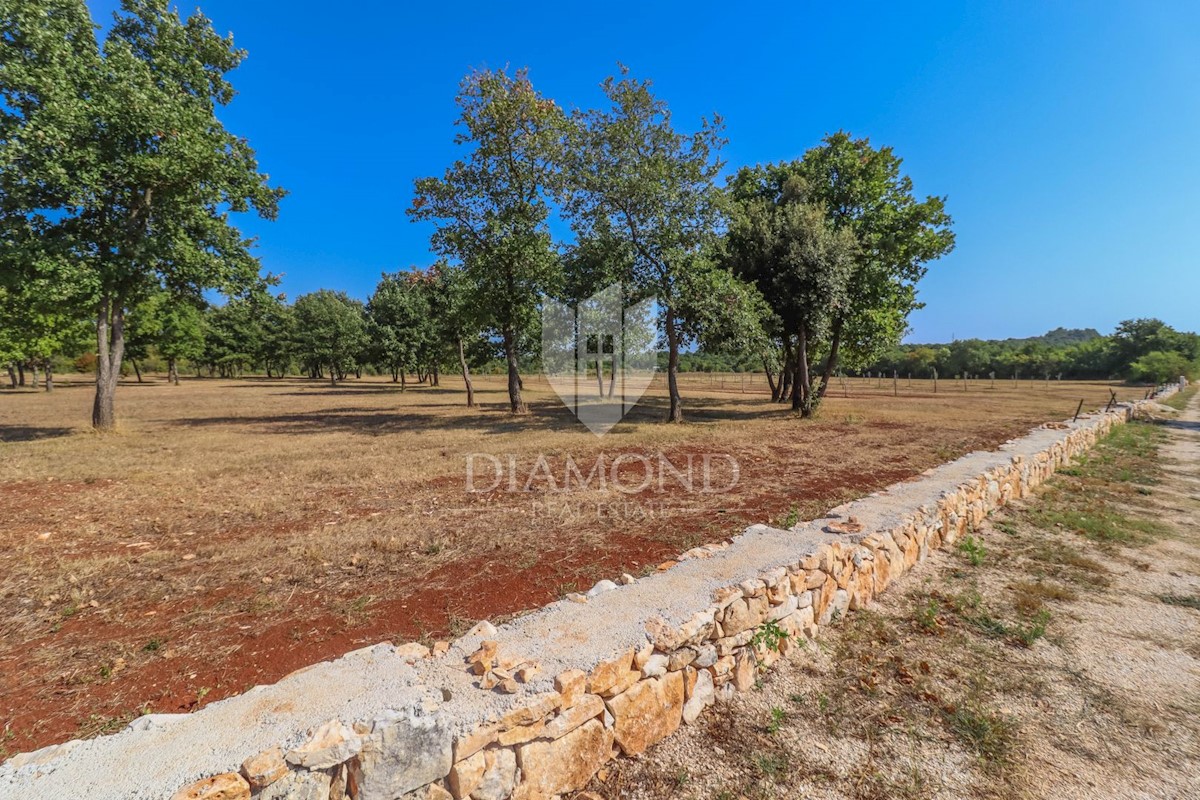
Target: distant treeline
{"x": 1144, "y": 350}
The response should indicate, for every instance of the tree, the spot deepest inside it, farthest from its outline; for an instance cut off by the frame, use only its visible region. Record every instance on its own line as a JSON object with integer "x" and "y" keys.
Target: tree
{"x": 117, "y": 176}
{"x": 491, "y": 210}
{"x": 1160, "y": 367}
{"x": 863, "y": 191}
{"x": 635, "y": 182}
{"x": 398, "y": 320}
{"x": 455, "y": 317}
{"x": 181, "y": 336}
{"x": 1136, "y": 338}
{"x": 801, "y": 263}
{"x": 330, "y": 331}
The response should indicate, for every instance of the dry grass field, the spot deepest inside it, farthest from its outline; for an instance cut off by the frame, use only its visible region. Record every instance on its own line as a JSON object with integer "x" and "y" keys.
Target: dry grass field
{"x": 233, "y": 531}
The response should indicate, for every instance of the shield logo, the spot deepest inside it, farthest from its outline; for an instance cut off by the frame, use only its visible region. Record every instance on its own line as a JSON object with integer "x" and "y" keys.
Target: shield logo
{"x": 599, "y": 356}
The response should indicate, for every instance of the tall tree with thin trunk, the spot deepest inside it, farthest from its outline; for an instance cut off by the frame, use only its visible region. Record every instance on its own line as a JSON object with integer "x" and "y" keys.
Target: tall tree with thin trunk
{"x": 114, "y": 168}
{"x": 630, "y": 176}
{"x": 491, "y": 208}
{"x": 863, "y": 191}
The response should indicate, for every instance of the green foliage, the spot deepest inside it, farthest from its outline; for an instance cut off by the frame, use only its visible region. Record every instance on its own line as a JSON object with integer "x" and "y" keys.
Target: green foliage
{"x": 781, "y": 239}
{"x": 973, "y": 550}
{"x": 645, "y": 194}
{"x": 330, "y": 332}
{"x": 117, "y": 176}
{"x": 1160, "y": 367}
{"x": 491, "y": 209}
{"x": 769, "y": 636}
{"x": 1145, "y": 350}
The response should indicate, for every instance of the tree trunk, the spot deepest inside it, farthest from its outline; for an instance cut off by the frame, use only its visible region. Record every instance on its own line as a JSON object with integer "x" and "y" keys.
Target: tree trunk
{"x": 110, "y": 349}
{"x": 675, "y": 414}
{"x": 466, "y": 374}
{"x": 802, "y": 397}
{"x": 403, "y": 380}
{"x": 600, "y": 377}
{"x": 437, "y": 378}
{"x": 12, "y": 376}
{"x": 835, "y": 343}
{"x": 516, "y": 404}
{"x": 33, "y": 370}
{"x": 771, "y": 380}
{"x": 48, "y": 368}
{"x": 173, "y": 371}
{"x": 612, "y": 378}
{"x": 333, "y": 372}
{"x": 136, "y": 370}
{"x": 20, "y": 374}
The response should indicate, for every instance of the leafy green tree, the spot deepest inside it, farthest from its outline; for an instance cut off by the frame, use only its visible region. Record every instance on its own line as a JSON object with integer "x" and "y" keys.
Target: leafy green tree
{"x": 331, "y": 331}
{"x": 1161, "y": 366}
{"x": 863, "y": 191}
{"x": 648, "y": 192}
{"x": 181, "y": 336}
{"x": 116, "y": 173}
{"x": 783, "y": 241}
{"x": 35, "y": 327}
{"x": 398, "y": 322}
{"x": 1135, "y": 338}
{"x": 491, "y": 209}
{"x": 455, "y": 318}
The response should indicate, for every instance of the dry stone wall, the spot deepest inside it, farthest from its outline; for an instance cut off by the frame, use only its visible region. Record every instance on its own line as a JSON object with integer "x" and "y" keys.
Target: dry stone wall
{"x": 533, "y": 709}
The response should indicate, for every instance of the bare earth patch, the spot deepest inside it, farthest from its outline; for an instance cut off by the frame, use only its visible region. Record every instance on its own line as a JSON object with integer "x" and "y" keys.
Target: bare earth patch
{"x": 234, "y": 531}
{"x": 1052, "y": 655}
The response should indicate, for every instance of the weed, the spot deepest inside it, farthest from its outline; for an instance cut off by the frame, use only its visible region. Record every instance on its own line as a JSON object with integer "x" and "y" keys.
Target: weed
{"x": 928, "y": 615}
{"x": 989, "y": 734}
{"x": 772, "y": 765}
{"x": 791, "y": 519}
{"x": 778, "y": 715}
{"x": 1028, "y": 634}
{"x": 152, "y": 646}
{"x": 769, "y": 636}
{"x": 973, "y": 549}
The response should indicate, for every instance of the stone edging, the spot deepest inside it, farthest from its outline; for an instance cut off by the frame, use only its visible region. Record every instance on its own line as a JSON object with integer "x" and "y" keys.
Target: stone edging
{"x": 533, "y": 709}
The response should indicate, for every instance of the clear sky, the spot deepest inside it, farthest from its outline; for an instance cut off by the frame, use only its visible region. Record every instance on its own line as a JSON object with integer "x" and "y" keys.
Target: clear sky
{"x": 1065, "y": 135}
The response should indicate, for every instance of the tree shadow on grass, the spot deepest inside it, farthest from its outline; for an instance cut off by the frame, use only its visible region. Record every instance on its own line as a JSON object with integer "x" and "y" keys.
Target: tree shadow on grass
{"x": 490, "y": 419}
{"x": 11, "y": 434}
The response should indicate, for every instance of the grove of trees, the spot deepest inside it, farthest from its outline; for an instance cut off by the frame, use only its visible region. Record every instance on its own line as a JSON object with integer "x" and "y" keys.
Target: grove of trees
{"x": 118, "y": 186}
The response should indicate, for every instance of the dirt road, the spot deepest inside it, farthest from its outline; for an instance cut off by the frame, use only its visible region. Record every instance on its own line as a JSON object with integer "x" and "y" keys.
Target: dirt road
{"x": 1055, "y": 654}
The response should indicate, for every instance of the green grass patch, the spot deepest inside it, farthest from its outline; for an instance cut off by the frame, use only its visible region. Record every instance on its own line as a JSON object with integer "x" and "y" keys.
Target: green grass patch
{"x": 1181, "y": 399}
{"x": 1099, "y": 524}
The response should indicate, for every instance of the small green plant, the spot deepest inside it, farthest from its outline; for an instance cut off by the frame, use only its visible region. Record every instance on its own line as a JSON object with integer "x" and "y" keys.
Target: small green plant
{"x": 153, "y": 646}
{"x": 973, "y": 549}
{"x": 791, "y": 519}
{"x": 682, "y": 777}
{"x": 1028, "y": 634}
{"x": 989, "y": 734}
{"x": 772, "y": 765}
{"x": 778, "y": 715}
{"x": 927, "y": 615}
{"x": 769, "y": 636}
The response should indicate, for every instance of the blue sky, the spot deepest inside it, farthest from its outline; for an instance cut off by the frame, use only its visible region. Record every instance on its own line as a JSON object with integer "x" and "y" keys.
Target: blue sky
{"x": 1065, "y": 135}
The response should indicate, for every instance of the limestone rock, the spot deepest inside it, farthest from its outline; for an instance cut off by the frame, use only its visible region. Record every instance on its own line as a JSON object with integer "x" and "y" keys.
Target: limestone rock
{"x": 403, "y": 751}
{"x": 413, "y": 651}
{"x": 329, "y": 745}
{"x": 648, "y": 712}
{"x": 586, "y": 708}
{"x": 655, "y": 666}
{"x": 264, "y": 769}
{"x": 703, "y": 695}
{"x": 299, "y": 786}
{"x": 550, "y": 768}
{"x": 570, "y": 684}
{"x": 743, "y": 671}
{"x": 229, "y": 786}
{"x": 607, "y": 675}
